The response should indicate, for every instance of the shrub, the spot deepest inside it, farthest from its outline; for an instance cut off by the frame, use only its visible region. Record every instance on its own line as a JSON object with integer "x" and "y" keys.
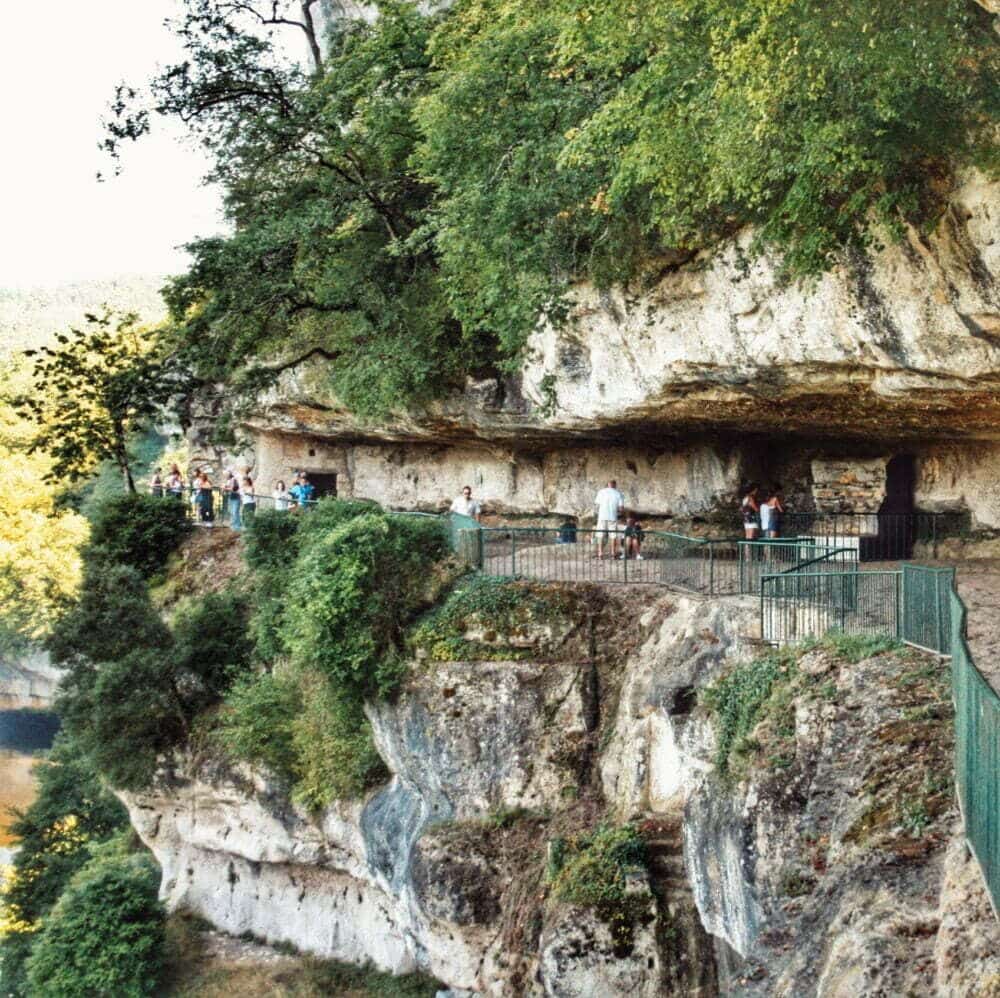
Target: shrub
{"x": 479, "y": 601}
{"x": 354, "y": 588}
{"x": 139, "y": 531}
{"x": 332, "y": 741}
{"x": 255, "y": 725}
{"x": 303, "y": 732}
{"x": 738, "y": 700}
{"x": 105, "y": 935}
{"x": 592, "y": 871}
{"x": 131, "y": 695}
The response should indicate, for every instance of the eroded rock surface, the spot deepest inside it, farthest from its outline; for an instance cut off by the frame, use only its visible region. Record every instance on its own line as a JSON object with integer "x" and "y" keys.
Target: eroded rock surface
{"x": 828, "y": 865}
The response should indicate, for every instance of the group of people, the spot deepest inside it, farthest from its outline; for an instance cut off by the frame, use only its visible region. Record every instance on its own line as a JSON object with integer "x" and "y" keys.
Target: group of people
{"x": 239, "y": 500}
{"x": 614, "y": 524}
{"x": 761, "y": 511}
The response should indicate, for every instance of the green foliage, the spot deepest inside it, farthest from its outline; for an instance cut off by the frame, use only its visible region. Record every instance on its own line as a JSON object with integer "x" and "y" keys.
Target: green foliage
{"x": 855, "y": 648}
{"x": 592, "y": 871}
{"x": 353, "y": 589}
{"x": 105, "y": 935}
{"x": 138, "y": 530}
{"x": 495, "y": 606}
{"x": 304, "y": 731}
{"x": 738, "y": 699}
{"x": 71, "y": 811}
{"x": 412, "y": 206}
{"x": 92, "y": 393}
{"x": 332, "y": 741}
{"x": 134, "y": 685}
{"x": 256, "y": 723}
{"x": 273, "y": 539}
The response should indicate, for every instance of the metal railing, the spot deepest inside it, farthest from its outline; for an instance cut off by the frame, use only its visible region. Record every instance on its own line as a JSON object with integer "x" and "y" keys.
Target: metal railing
{"x": 570, "y": 554}
{"x": 977, "y": 753}
{"x": 787, "y": 554}
{"x": 879, "y": 536}
{"x": 920, "y": 606}
{"x": 801, "y": 604}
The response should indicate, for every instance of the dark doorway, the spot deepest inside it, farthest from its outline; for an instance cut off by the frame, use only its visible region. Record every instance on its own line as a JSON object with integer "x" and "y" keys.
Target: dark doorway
{"x": 896, "y": 522}
{"x": 325, "y": 482}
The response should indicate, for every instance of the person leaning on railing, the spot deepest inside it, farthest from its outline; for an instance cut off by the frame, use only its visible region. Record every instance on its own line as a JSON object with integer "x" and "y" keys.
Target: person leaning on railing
{"x": 303, "y": 491}
{"x": 203, "y": 498}
{"x": 248, "y": 499}
{"x": 281, "y": 496}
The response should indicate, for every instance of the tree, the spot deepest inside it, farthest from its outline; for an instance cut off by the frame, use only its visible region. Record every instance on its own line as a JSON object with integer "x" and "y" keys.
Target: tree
{"x": 90, "y": 394}
{"x": 39, "y": 544}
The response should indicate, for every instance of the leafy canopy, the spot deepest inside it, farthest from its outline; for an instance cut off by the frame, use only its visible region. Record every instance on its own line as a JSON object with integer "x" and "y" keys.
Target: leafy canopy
{"x": 409, "y": 207}
{"x": 91, "y": 393}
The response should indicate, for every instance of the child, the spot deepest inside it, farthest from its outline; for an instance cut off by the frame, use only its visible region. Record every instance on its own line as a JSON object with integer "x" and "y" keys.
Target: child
{"x": 633, "y": 537}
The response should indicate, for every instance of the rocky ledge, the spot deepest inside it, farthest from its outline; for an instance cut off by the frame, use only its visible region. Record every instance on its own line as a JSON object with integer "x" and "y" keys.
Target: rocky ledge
{"x": 818, "y": 856}
{"x": 901, "y": 343}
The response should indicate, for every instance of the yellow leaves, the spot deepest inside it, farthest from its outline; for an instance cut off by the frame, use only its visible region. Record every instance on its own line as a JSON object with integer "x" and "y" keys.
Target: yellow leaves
{"x": 39, "y": 547}
{"x": 600, "y": 203}
{"x": 11, "y": 921}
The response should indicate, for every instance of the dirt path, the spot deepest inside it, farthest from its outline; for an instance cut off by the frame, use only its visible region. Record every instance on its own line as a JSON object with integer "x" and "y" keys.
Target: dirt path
{"x": 979, "y": 587}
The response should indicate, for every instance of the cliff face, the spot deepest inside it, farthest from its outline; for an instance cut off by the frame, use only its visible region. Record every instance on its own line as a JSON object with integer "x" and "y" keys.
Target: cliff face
{"x": 802, "y": 877}
{"x": 901, "y": 343}
{"x": 28, "y": 680}
{"x": 709, "y": 372}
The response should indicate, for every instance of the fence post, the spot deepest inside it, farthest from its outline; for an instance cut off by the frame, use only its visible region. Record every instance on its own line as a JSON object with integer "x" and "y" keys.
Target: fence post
{"x": 711, "y": 569}
{"x": 934, "y": 533}
{"x": 513, "y": 552}
{"x": 899, "y": 606}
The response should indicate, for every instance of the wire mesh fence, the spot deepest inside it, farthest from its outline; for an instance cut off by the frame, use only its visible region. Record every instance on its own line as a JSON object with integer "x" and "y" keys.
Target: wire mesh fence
{"x": 977, "y": 752}
{"x": 800, "y": 604}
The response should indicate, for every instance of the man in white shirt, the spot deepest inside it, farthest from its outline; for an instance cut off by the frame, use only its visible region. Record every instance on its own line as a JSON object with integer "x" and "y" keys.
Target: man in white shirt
{"x": 610, "y": 502}
{"x": 466, "y": 505}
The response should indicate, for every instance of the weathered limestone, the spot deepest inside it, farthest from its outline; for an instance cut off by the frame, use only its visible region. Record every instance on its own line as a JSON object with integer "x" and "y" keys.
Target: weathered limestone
{"x": 28, "y": 680}
{"x": 904, "y": 343}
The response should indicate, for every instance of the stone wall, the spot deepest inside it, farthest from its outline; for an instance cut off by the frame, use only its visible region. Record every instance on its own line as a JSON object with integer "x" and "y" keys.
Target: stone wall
{"x": 679, "y": 481}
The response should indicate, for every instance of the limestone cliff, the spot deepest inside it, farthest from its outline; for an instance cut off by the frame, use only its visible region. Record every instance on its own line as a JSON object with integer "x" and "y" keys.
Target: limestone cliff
{"x": 709, "y": 371}
{"x": 827, "y": 866}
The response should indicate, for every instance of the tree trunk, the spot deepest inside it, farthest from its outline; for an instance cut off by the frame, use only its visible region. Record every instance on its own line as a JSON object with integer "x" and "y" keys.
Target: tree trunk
{"x": 309, "y": 27}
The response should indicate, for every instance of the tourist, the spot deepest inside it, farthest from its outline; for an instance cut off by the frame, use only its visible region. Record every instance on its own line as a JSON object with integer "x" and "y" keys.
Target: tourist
{"x": 203, "y": 498}
{"x": 175, "y": 483}
{"x": 233, "y": 500}
{"x": 156, "y": 484}
{"x": 609, "y": 502}
{"x": 281, "y": 496}
{"x": 248, "y": 498}
{"x": 775, "y": 507}
{"x": 750, "y": 512}
{"x": 303, "y": 491}
{"x": 633, "y": 537}
{"x": 465, "y": 505}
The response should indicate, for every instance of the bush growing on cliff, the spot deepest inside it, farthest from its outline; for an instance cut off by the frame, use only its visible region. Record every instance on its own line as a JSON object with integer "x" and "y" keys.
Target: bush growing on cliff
{"x": 592, "y": 871}
{"x": 354, "y": 588}
{"x": 138, "y": 531}
{"x": 134, "y": 686}
{"x": 105, "y": 935}
{"x": 336, "y": 616}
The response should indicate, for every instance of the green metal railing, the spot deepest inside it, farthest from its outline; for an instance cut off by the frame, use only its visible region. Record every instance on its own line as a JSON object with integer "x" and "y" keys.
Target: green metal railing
{"x": 920, "y": 606}
{"x": 977, "y": 752}
{"x": 709, "y": 566}
{"x": 925, "y": 607}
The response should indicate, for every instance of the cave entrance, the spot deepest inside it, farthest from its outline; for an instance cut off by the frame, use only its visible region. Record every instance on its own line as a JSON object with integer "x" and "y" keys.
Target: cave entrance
{"x": 896, "y": 522}
{"x": 325, "y": 482}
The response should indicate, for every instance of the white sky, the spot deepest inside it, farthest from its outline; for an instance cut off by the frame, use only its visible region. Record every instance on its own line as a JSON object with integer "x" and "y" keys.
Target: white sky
{"x": 59, "y": 63}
